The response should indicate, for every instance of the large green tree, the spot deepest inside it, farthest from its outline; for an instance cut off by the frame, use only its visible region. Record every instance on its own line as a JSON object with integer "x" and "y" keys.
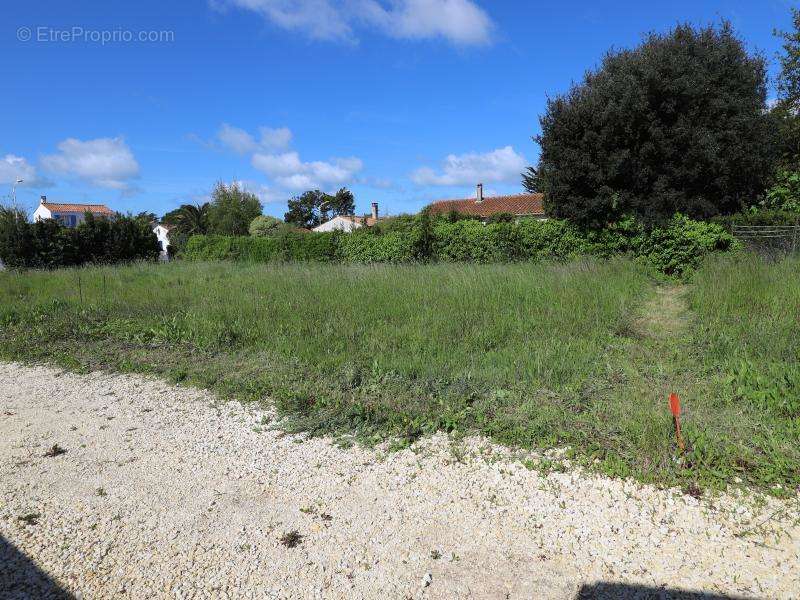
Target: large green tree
{"x": 232, "y": 210}
{"x": 786, "y": 111}
{"x": 678, "y": 124}
{"x": 530, "y": 180}
{"x": 313, "y": 207}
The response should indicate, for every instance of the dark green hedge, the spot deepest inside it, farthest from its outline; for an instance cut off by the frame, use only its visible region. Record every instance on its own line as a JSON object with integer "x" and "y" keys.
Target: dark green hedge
{"x": 48, "y": 245}
{"x": 392, "y": 247}
{"x": 319, "y": 247}
{"x": 674, "y": 249}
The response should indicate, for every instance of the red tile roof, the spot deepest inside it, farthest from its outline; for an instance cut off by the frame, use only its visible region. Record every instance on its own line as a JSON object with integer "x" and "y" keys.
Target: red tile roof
{"x": 97, "y": 209}
{"x": 528, "y": 205}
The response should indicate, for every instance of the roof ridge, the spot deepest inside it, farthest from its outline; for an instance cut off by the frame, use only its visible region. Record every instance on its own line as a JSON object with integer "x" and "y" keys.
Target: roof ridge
{"x": 485, "y": 198}
{"x": 71, "y": 203}
{"x": 517, "y": 204}
{"x": 75, "y": 208}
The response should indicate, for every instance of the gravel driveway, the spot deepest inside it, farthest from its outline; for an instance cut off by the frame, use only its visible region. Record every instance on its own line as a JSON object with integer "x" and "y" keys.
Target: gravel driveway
{"x": 165, "y": 492}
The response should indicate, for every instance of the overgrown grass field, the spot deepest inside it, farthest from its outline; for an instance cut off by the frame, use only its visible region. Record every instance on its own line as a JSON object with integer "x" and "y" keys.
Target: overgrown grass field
{"x": 579, "y": 355}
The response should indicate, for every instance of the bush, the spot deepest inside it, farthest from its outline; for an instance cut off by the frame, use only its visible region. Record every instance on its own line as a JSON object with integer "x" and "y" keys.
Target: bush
{"x": 757, "y": 217}
{"x": 397, "y": 224}
{"x": 541, "y": 240}
{"x": 472, "y": 241}
{"x": 48, "y": 244}
{"x": 679, "y": 248}
{"x": 675, "y": 249}
{"x": 264, "y": 225}
{"x": 15, "y": 237}
{"x": 784, "y": 195}
{"x": 307, "y": 246}
{"x": 290, "y": 245}
{"x": 367, "y": 247}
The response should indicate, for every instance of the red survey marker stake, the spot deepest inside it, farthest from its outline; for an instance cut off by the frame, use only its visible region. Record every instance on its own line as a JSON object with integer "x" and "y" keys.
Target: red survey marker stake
{"x": 675, "y": 407}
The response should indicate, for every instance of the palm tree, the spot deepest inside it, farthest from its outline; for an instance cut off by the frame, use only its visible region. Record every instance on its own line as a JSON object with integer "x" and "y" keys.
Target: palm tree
{"x": 189, "y": 219}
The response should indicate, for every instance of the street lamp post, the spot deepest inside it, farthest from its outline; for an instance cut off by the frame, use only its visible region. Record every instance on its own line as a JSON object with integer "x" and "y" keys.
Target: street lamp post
{"x": 14, "y": 191}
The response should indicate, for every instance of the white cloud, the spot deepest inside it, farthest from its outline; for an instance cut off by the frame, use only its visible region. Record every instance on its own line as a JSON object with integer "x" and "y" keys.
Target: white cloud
{"x": 291, "y": 173}
{"x": 275, "y": 138}
{"x": 501, "y": 165}
{"x": 278, "y": 165}
{"x": 13, "y": 168}
{"x": 242, "y": 142}
{"x": 462, "y": 22}
{"x": 236, "y": 139}
{"x": 104, "y": 162}
{"x": 287, "y": 172}
{"x": 319, "y": 19}
{"x": 264, "y": 192}
{"x": 459, "y": 21}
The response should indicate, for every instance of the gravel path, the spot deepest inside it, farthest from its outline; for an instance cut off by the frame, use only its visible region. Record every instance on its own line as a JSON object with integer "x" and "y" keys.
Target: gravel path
{"x": 165, "y": 492}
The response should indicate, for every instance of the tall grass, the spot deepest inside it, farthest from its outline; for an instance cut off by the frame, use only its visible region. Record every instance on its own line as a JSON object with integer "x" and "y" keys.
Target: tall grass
{"x": 748, "y": 334}
{"x": 491, "y": 325}
{"x": 421, "y": 347}
{"x": 750, "y": 309}
{"x": 540, "y": 355}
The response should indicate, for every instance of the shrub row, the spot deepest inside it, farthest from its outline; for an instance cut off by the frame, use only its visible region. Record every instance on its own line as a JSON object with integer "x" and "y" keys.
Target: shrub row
{"x": 48, "y": 244}
{"x": 674, "y": 249}
{"x": 320, "y": 247}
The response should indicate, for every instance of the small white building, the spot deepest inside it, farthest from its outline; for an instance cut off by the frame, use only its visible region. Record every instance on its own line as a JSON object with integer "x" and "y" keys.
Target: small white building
{"x": 348, "y": 223}
{"x": 70, "y": 215}
{"x": 162, "y": 233}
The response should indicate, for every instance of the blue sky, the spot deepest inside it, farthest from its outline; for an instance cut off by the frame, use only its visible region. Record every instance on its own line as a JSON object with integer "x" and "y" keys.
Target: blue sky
{"x": 403, "y": 101}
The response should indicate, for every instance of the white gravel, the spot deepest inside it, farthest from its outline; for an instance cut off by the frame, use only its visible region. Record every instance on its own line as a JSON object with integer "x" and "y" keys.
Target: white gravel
{"x": 165, "y": 492}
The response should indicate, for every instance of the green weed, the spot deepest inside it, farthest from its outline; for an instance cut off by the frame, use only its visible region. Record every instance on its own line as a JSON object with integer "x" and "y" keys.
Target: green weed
{"x": 579, "y": 355}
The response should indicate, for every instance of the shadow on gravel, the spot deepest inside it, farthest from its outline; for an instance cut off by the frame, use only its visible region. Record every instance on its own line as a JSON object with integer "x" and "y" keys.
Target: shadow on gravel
{"x": 21, "y": 578}
{"x": 612, "y": 591}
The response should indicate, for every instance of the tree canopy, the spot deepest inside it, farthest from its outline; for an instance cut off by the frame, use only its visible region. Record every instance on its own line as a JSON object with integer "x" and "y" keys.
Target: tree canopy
{"x": 265, "y": 226}
{"x": 530, "y": 181}
{"x": 786, "y": 111}
{"x": 678, "y": 124}
{"x": 189, "y": 219}
{"x": 232, "y": 210}
{"x": 314, "y": 207}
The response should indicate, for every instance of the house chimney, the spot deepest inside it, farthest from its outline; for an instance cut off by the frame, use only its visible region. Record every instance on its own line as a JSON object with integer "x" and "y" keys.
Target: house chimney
{"x": 42, "y": 199}
{"x": 375, "y": 210}
{"x": 479, "y": 195}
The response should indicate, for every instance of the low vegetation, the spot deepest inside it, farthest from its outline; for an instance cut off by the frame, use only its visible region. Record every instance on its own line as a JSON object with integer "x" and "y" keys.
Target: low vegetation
{"x": 48, "y": 244}
{"x": 675, "y": 248}
{"x": 579, "y": 355}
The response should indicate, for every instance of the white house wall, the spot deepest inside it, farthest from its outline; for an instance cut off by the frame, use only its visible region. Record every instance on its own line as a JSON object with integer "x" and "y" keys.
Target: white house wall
{"x": 41, "y": 213}
{"x": 163, "y": 237}
{"x": 338, "y": 224}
